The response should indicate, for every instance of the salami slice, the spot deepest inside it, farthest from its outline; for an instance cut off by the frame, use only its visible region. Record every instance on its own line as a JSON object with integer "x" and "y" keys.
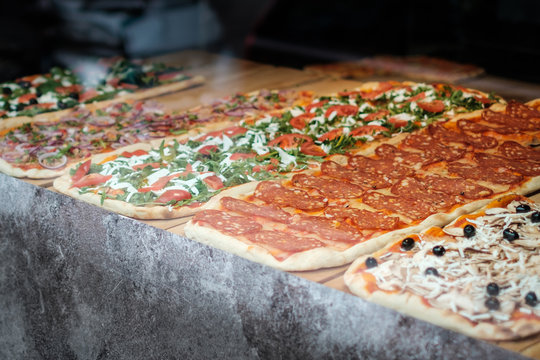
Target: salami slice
{"x": 227, "y": 223}
{"x": 475, "y": 172}
{"x": 387, "y": 151}
{"x": 412, "y": 208}
{"x": 283, "y": 241}
{"x": 336, "y": 189}
{"x": 475, "y": 127}
{"x": 364, "y": 219}
{"x": 521, "y": 111}
{"x": 524, "y": 167}
{"x": 388, "y": 167}
{"x": 326, "y": 228}
{"x": 513, "y": 150}
{"x": 510, "y": 121}
{"x": 434, "y": 151}
{"x": 246, "y": 208}
{"x": 413, "y": 189}
{"x": 455, "y": 186}
{"x": 447, "y": 136}
{"x": 366, "y": 181}
{"x": 272, "y": 192}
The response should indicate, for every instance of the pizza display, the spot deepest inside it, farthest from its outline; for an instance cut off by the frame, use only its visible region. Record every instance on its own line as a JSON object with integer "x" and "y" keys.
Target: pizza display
{"x": 355, "y": 203}
{"x": 44, "y": 149}
{"x": 174, "y": 179}
{"x": 61, "y": 89}
{"x": 479, "y": 275}
{"x": 422, "y": 68}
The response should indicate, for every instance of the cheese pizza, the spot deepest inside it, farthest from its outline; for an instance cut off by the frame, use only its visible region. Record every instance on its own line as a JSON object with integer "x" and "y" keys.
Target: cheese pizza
{"x": 479, "y": 275}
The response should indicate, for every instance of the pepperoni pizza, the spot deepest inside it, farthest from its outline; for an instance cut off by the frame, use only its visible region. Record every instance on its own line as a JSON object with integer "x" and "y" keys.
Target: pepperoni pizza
{"x": 478, "y": 275}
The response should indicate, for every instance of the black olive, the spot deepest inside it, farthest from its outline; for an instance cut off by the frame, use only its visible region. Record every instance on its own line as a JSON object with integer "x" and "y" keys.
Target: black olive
{"x": 523, "y": 208}
{"x": 407, "y": 244}
{"x": 24, "y": 84}
{"x": 38, "y": 93}
{"x": 510, "y": 234}
{"x": 74, "y": 95}
{"x": 439, "y": 250}
{"x": 492, "y": 303}
{"x": 535, "y": 217}
{"x": 6, "y": 91}
{"x": 531, "y": 299}
{"x": 492, "y": 289}
{"x": 61, "y": 105}
{"x": 20, "y": 107}
{"x": 33, "y": 101}
{"x": 371, "y": 262}
{"x": 431, "y": 271}
{"x": 469, "y": 231}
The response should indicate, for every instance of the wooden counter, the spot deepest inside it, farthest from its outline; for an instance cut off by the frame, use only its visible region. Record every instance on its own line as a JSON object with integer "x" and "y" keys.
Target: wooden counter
{"x": 225, "y": 76}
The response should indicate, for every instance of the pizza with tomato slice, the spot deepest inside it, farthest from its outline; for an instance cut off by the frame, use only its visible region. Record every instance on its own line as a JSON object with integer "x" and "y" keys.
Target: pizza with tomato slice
{"x": 479, "y": 275}
{"x": 45, "y": 149}
{"x": 263, "y": 148}
{"x": 356, "y": 202}
{"x": 24, "y": 99}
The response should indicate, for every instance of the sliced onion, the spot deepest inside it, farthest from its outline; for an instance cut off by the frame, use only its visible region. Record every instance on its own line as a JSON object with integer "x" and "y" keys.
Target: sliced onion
{"x": 102, "y": 121}
{"x": 57, "y": 164}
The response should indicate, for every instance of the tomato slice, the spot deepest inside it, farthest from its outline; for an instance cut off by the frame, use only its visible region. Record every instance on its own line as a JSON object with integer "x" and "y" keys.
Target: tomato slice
{"x": 82, "y": 170}
{"x": 239, "y": 156}
{"x": 65, "y": 90}
{"x": 382, "y": 88}
{"x": 134, "y": 153}
{"x": 26, "y": 98}
{"x": 88, "y": 94}
{"x": 299, "y": 122}
{"x": 331, "y": 135}
{"x": 91, "y": 180}
{"x": 309, "y": 148}
{"x": 398, "y": 122}
{"x": 376, "y": 115}
{"x": 416, "y": 97}
{"x": 213, "y": 182}
{"x": 315, "y": 105}
{"x": 289, "y": 141}
{"x": 342, "y": 110}
{"x": 158, "y": 185}
{"x": 367, "y": 130}
{"x": 155, "y": 165}
{"x": 169, "y": 76}
{"x": 206, "y": 150}
{"x": 435, "y": 106}
{"x": 175, "y": 194}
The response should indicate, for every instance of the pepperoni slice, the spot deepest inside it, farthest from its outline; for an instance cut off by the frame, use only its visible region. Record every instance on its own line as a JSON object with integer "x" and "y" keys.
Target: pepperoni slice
{"x": 335, "y": 189}
{"x": 250, "y": 209}
{"x": 325, "y": 228}
{"x": 364, "y": 219}
{"x": 413, "y": 189}
{"x": 522, "y": 111}
{"x": 455, "y": 186}
{"x": 513, "y": 150}
{"x": 387, "y": 151}
{"x": 510, "y": 121}
{"x": 524, "y": 167}
{"x": 227, "y": 223}
{"x": 475, "y": 172}
{"x": 342, "y": 110}
{"x": 474, "y": 127}
{"x": 299, "y": 122}
{"x": 447, "y": 136}
{"x": 412, "y": 208}
{"x": 283, "y": 241}
{"x": 434, "y": 151}
{"x": 392, "y": 168}
{"x": 362, "y": 179}
{"x": 274, "y": 193}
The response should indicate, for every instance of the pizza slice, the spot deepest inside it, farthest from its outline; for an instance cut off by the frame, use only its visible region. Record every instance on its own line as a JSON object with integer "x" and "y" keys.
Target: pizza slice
{"x": 478, "y": 275}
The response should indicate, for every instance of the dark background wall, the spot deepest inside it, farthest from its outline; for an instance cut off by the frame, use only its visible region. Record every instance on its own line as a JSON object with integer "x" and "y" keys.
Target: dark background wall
{"x": 500, "y": 35}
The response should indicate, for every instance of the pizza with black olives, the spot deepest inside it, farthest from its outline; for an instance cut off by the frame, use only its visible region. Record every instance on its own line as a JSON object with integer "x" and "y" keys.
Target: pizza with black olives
{"x": 479, "y": 275}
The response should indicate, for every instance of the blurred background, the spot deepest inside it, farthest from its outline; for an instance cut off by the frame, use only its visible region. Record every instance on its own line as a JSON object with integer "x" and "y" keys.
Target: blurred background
{"x": 502, "y": 36}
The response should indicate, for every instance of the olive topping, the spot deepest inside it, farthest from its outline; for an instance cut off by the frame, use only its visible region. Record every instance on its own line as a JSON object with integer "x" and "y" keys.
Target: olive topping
{"x": 6, "y": 91}
{"x": 62, "y": 105}
{"x": 523, "y": 208}
{"x": 74, "y": 95}
{"x": 492, "y": 303}
{"x": 535, "y": 217}
{"x": 371, "y": 262}
{"x": 492, "y": 289}
{"x": 469, "y": 231}
{"x": 24, "y": 84}
{"x": 20, "y": 107}
{"x": 531, "y": 299}
{"x": 439, "y": 250}
{"x": 510, "y": 234}
{"x": 431, "y": 271}
{"x": 33, "y": 101}
{"x": 407, "y": 244}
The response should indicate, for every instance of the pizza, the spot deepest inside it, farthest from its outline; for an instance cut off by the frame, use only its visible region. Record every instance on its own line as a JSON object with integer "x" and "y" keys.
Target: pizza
{"x": 479, "y": 275}
{"x": 356, "y": 202}
{"x": 176, "y": 178}
{"x": 45, "y": 149}
{"x": 422, "y": 68}
{"x": 25, "y": 98}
